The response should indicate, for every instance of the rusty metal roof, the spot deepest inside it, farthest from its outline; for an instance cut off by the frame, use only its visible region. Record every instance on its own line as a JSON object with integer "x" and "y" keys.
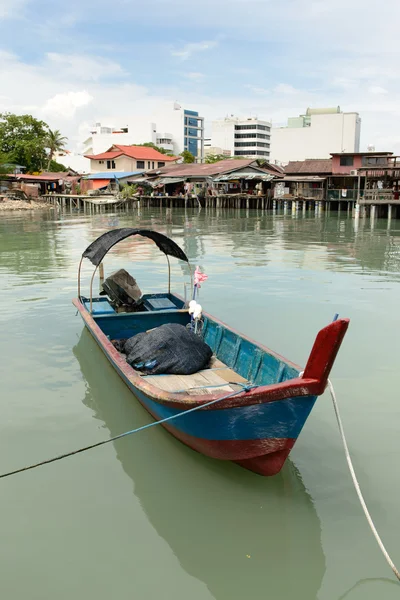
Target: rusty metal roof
{"x": 205, "y": 170}
{"x": 310, "y": 166}
{"x": 303, "y": 178}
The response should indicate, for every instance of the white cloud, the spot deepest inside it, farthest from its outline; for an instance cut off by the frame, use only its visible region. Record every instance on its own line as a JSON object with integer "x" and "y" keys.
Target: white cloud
{"x": 87, "y": 68}
{"x": 65, "y": 105}
{"x": 344, "y": 82}
{"x": 11, "y": 9}
{"x": 195, "y": 76}
{"x": 257, "y": 90}
{"x": 286, "y": 89}
{"x": 188, "y": 49}
{"x": 377, "y": 90}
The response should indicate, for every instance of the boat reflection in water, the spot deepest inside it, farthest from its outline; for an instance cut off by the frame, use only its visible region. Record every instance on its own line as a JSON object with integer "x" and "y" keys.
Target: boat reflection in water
{"x": 243, "y": 535}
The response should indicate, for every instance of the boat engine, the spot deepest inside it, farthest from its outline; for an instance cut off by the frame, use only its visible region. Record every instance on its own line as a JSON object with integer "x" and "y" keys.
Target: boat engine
{"x": 123, "y": 291}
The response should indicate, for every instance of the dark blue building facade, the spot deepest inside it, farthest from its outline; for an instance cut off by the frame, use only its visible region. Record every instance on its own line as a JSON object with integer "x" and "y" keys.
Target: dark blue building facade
{"x": 194, "y": 133}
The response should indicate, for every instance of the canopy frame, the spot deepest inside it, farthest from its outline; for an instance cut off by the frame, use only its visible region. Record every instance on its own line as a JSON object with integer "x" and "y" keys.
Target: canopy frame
{"x": 98, "y": 249}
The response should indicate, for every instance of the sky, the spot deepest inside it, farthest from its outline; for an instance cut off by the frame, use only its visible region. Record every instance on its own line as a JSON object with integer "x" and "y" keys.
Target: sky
{"x": 77, "y": 62}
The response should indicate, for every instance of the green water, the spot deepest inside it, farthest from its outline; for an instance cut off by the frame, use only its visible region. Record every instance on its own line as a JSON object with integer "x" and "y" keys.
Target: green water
{"x": 147, "y": 517}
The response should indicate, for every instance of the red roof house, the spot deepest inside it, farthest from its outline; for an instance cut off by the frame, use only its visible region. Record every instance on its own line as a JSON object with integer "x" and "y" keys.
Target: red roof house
{"x": 129, "y": 159}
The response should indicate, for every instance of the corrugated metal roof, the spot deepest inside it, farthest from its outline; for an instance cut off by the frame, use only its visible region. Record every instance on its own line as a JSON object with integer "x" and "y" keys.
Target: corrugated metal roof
{"x": 193, "y": 170}
{"x": 246, "y": 176}
{"x": 166, "y": 180}
{"x": 309, "y": 166}
{"x": 300, "y": 178}
{"x": 45, "y": 177}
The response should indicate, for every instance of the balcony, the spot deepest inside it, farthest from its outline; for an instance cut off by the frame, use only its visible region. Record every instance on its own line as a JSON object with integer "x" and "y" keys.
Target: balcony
{"x": 385, "y": 196}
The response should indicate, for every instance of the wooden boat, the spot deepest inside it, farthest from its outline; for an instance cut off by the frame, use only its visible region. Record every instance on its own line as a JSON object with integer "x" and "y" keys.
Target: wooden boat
{"x": 256, "y": 428}
{"x": 172, "y": 491}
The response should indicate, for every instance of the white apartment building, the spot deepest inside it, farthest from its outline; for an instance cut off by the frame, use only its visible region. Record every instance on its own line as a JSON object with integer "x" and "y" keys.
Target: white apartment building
{"x": 242, "y": 137}
{"x": 102, "y": 137}
{"x": 316, "y": 134}
{"x": 171, "y": 127}
{"x": 186, "y": 127}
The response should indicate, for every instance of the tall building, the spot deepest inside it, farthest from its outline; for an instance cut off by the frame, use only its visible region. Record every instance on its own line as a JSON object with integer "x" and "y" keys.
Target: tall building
{"x": 242, "y": 137}
{"x": 171, "y": 127}
{"x": 316, "y": 134}
{"x": 186, "y": 129}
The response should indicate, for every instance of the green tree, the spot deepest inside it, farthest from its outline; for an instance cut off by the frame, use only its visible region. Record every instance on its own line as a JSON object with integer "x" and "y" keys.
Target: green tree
{"x": 55, "y": 142}
{"x": 214, "y": 158}
{"x": 56, "y": 167}
{"x": 262, "y": 162}
{"x": 5, "y": 165}
{"x": 187, "y": 156}
{"x": 23, "y": 140}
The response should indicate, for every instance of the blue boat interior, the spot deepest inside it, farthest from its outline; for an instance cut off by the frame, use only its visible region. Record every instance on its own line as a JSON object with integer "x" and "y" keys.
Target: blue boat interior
{"x": 241, "y": 355}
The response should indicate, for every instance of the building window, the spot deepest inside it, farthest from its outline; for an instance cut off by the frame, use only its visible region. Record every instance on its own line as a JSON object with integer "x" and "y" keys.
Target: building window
{"x": 101, "y": 162}
{"x": 148, "y": 164}
{"x": 192, "y": 147}
{"x": 260, "y": 127}
{"x": 259, "y": 136}
{"x": 160, "y": 164}
{"x": 152, "y": 164}
{"x": 110, "y": 164}
{"x": 140, "y": 164}
{"x": 251, "y": 145}
{"x": 251, "y": 152}
{"x": 346, "y": 161}
{"x": 374, "y": 161}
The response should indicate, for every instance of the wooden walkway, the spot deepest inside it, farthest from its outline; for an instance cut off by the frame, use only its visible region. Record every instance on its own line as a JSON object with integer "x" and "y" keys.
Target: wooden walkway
{"x": 94, "y": 203}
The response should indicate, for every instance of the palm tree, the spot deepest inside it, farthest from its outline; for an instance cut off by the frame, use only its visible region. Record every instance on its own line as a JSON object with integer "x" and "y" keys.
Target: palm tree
{"x": 55, "y": 142}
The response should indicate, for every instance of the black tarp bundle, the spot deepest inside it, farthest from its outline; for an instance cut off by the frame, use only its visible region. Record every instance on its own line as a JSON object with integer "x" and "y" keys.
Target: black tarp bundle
{"x": 170, "y": 348}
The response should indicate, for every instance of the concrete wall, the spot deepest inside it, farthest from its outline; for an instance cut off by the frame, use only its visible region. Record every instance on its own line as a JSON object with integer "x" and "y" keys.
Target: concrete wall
{"x": 338, "y": 169}
{"x": 223, "y": 135}
{"x": 74, "y": 161}
{"x": 100, "y": 142}
{"x": 123, "y": 163}
{"x": 327, "y": 133}
{"x": 209, "y": 150}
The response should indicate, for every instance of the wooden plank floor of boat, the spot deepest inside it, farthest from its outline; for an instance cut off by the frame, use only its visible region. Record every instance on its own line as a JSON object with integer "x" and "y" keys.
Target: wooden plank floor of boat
{"x": 219, "y": 376}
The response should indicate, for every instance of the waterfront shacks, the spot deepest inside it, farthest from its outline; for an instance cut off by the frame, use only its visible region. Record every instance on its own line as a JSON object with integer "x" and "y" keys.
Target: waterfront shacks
{"x": 226, "y": 177}
{"x": 46, "y": 183}
{"x": 341, "y": 181}
{"x": 106, "y": 180}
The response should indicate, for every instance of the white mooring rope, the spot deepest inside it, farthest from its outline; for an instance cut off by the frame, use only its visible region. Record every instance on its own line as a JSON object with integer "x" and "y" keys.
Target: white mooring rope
{"x": 356, "y": 484}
